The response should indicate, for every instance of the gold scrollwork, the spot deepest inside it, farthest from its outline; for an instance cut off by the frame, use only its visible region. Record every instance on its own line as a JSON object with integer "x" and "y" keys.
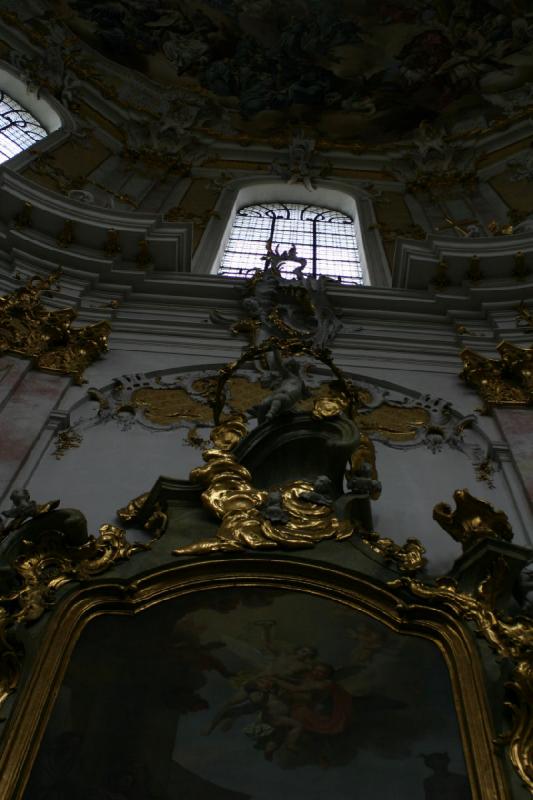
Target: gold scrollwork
{"x": 30, "y": 330}
{"x": 170, "y": 406}
{"x": 509, "y": 638}
{"x": 66, "y": 439}
{"x": 37, "y": 574}
{"x": 508, "y": 381}
{"x": 409, "y": 557}
{"x": 382, "y": 603}
{"x": 230, "y": 496}
{"x": 155, "y": 524}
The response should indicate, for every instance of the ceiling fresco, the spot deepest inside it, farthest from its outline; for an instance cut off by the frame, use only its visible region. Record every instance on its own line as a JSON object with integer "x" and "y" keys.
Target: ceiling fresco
{"x": 368, "y": 71}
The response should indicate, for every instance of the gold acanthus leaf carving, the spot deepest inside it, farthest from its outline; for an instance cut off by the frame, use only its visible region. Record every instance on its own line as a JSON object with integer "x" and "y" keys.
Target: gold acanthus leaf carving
{"x": 472, "y": 520}
{"x": 30, "y": 330}
{"x": 509, "y": 638}
{"x": 129, "y": 513}
{"x": 38, "y": 572}
{"x": 155, "y": 524}
{"x": 409, "y": 557}
{"x": 508, "y": 381}
{"x": 231, "y": 497}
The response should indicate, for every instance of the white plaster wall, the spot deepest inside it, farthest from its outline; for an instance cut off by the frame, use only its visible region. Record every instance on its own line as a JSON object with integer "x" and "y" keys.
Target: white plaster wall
{"x": 113, "y": 465}
{"x": 414, "y": 481}
{"x": 110, "y": 468}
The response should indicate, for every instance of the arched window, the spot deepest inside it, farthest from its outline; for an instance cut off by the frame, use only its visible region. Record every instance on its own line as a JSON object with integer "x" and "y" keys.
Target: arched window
{"x": 325, "y": 238}
{"x": 19, "y": 129}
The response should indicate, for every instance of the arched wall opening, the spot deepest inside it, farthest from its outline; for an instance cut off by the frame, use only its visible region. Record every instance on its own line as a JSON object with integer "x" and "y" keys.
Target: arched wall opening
{"x": 50, "y": 114}
{"x": 342, "y": 197}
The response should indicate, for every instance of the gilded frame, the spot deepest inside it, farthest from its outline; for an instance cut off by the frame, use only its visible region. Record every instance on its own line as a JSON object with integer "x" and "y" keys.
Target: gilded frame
{"x": 397, "y": 609}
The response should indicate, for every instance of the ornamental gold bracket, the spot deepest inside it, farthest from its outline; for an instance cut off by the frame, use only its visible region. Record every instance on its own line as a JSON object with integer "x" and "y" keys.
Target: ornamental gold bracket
{"x": 509, "y": 638}
{"x": 298, "y": 514}
{"x": 46, "y": 548}
{"x": 488, "y": 578}
{"x": 507, "y": 382}
{"x": 30, "y": 330}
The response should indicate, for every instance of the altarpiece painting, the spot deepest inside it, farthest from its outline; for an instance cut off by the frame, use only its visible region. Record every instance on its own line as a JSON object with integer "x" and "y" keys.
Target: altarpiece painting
{"x": 251, "y": 693}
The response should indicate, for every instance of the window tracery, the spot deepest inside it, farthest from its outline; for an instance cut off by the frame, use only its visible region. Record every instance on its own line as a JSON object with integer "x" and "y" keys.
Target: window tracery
{"x": 19, "y": 129}
{"x": 324, "y": 237}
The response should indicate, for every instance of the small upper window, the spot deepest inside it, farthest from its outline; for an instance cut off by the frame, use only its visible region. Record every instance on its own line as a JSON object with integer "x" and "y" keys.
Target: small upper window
{"x": 323, "y": 237}
{"x": 18, "y": 128}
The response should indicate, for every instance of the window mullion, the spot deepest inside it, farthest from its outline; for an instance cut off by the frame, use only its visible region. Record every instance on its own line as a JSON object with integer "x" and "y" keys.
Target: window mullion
{"x": 314, "y": 249}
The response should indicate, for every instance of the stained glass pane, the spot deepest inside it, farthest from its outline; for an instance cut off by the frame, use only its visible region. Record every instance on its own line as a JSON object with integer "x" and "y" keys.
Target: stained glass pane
{"x": 323, "y": 236}
{"x": 18, "y": 128}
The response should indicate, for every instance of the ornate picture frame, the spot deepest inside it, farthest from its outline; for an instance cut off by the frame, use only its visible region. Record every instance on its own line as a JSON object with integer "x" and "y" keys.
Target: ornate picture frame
{"x": 394, "y": 605}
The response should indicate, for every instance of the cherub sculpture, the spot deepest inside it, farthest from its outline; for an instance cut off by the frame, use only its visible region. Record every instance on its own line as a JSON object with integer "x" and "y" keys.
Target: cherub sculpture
{"x": 321, "y": 493}
{"x": 361, "y": 483}
{"x": 290, "y": 389}
{"x": 272, "y": 508}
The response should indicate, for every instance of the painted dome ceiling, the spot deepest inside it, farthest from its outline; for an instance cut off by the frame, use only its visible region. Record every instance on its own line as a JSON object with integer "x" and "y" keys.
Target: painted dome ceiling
{"x": 367, "y": 71}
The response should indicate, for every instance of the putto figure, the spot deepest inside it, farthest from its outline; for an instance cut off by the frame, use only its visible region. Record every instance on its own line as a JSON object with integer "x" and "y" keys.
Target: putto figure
{"x": 291, "y": 388}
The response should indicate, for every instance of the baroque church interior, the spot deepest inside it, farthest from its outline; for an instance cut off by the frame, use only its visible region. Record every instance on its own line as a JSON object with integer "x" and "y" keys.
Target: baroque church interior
{"x": 266, "y": 441}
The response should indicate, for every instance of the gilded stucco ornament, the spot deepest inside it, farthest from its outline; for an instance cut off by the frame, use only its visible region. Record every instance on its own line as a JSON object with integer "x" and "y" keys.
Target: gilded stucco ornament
{"x": 29, "y": 329}
{"x": 509, "y": 638}
{"x": 66, "y": 439}
{"x": 292, "y": 516}
{"x": 330, "y": 406}
{"x": 409, "y": 557}
{"x": 43, "y": 548}
{"x": 155, "y": 523}
{"x": 472, "y": 520}
{"x": 297, "y": 514}
{"x": 506, "y": 382}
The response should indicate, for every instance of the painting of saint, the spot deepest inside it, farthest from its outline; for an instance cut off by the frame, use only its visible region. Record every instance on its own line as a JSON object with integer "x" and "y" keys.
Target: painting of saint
{"x": 251, "y": 693}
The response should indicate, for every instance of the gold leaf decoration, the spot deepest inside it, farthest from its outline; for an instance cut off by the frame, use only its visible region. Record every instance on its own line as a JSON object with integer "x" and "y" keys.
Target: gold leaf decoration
{"x": 30, "y": 330}
{"x": 66, "y": 440}
{"x": 509, "y": 638}
{"x": 329, "y": 406}
{"x": 244, "y": 393}
{"x": 394, "y": 423}
{"x": 38, "y": 572}
{"x": 129, "y": 513}
{"x": 409, "y": 557}
{"x": 231, "y": 497}
{"x": 508, "y": 381}
{"x": 169, "y": 406}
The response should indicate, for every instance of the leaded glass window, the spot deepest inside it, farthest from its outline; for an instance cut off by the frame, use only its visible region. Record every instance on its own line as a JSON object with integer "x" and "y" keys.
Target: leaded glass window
{"x": 324, "y": 237}
{"x": 18, "y": 128}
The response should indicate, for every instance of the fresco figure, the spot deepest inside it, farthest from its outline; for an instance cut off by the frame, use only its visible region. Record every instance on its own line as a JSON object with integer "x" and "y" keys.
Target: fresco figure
{"x": 320, "y": 704}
